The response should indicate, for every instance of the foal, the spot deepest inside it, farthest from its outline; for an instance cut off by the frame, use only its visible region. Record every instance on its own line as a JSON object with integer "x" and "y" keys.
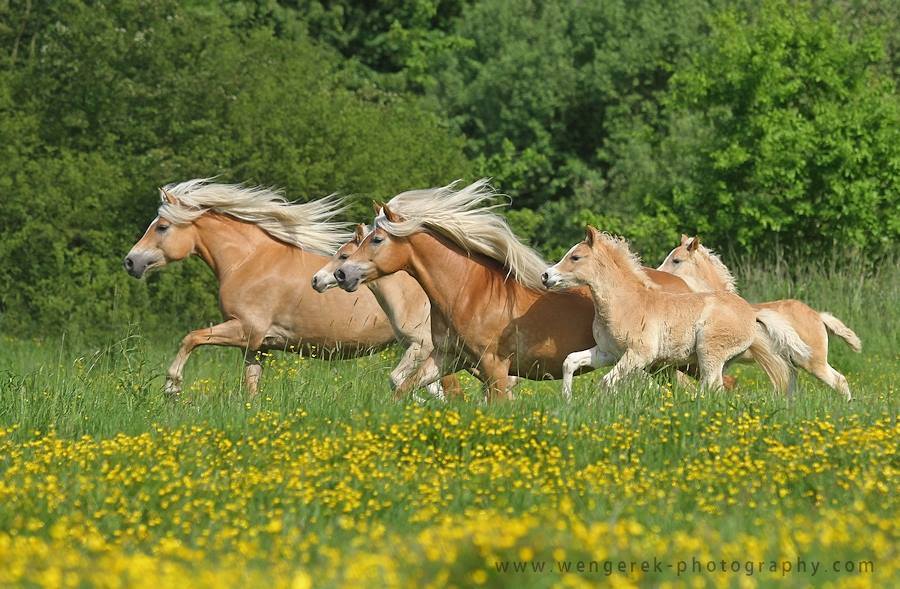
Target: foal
{"x": 407, "y": 308}
{"x": 704, "y": 271}
{"x": 649, "y": 326}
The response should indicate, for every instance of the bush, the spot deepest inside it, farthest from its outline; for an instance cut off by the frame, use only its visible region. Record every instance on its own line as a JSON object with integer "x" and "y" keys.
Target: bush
{"x": 125, "y": 97}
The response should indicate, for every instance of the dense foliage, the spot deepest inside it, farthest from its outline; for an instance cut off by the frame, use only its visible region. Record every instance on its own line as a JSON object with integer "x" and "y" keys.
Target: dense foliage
{"x": 757, "y": 126}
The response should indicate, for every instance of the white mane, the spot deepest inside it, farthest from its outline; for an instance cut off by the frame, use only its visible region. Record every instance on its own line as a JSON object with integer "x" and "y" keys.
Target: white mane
{"x": 466, "y": 217}
{"x": 720, "y": 269}
{"x": 308, "y": 226}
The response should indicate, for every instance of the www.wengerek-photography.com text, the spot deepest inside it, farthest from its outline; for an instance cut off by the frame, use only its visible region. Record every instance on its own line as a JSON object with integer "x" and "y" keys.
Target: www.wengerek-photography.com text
{"x": 694, "y": 566}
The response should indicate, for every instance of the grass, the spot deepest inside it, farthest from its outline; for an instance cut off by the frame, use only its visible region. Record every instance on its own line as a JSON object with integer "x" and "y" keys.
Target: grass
{"x": 324, "y": 481}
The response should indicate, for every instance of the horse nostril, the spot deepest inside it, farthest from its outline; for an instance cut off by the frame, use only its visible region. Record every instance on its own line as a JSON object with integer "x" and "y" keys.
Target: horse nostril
{"x": 315, "y": 281}
{"x": 545, "y": 277}
{"x": 340, "y": 275}
{"x": 129, "y": 263}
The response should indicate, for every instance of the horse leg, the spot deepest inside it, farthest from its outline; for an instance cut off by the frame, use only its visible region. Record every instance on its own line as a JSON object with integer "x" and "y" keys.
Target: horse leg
{"x": 229, "y": 333}
{"x": 430, "y": 370}
{"x": 411, "y": 358}
{"x": 451, "y": 385}
{"x": 827, "y": 374}
{"x": 711, "y": 374}
{"x": 252, "y": 371}
{"x": 497, "y": 380}
{"x": 595, "y": 357}
{"x": 630, "y": 361}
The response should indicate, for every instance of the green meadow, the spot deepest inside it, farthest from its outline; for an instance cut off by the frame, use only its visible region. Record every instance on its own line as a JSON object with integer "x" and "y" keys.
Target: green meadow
{"x": 324, "y": 480}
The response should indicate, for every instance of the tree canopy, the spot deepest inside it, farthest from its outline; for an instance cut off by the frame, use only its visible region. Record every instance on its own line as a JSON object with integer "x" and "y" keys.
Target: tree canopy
{"x": 759, "y": 126}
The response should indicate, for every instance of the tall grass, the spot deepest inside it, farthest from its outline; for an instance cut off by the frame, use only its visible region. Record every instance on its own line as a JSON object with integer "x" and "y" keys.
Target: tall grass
{"x": 326, "y": 447}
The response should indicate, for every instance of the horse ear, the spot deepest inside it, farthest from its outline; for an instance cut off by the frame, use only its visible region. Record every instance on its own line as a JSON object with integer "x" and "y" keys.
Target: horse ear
{"x": 167, "y": 196}
{"x": 389, "y": 214}
{"x": 376, "y": 206}
{"x": 591, "y": 234}
{"x": 693, "y": 244}
{"x": 360, "y": 233}
{"x": 684, "y": 238}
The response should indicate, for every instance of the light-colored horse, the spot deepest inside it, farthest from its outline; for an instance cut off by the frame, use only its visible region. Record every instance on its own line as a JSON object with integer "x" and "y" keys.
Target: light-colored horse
{"x": 703, "y": 270}
{"x": 407, "y": 308}
{"x": 490, "y": 314}
{"x": 649, "y": 326}
{"x": 263, "y": 251}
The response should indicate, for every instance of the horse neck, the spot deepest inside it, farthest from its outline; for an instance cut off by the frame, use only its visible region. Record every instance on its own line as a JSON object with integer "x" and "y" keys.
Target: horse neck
{"x": 446, "y": 272}
{"x": 611, "y": 282}
{"x": 706, "y": 277}
{"x": 227, "y": 244}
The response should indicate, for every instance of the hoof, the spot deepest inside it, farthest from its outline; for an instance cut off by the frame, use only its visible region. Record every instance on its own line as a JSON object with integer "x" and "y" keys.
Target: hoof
{"x": 172, "y": 388}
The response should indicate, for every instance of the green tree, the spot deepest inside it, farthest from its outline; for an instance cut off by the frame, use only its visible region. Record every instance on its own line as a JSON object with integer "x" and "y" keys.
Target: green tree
{"x": 109, "y": 102}
{"x": 783, "y": 130}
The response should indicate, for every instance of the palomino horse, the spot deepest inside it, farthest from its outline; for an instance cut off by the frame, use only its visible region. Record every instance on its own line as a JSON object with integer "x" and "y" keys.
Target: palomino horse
{"x": 407, "y": 308}
{"x": 703, "y": 270}
{"x": 490, "y": 314}
{"x": 263, "y": 251}
{"x": 649, "y": 326}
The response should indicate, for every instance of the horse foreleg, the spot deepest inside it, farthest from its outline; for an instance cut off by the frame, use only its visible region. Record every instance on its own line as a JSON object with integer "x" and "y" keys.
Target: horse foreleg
{"x": 430, "y": 370}
{"x": 412, "y": 357}
{"x": 630, "y": 361}
{"x": 595, "y": 357}
{"x": 229, "y": 333}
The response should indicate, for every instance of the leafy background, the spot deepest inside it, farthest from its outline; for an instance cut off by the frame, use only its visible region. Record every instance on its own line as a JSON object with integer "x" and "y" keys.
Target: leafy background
{"x": 769, "y": 128}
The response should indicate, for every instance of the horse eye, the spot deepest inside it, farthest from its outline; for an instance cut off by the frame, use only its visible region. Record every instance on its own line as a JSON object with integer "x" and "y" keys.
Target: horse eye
{"x": 676, "y": 261}
{"x": 343, "y": 256}
{"x": 576, "y": 258}
{"x": 377, "y": 239}
{"x": 162, "y": 228}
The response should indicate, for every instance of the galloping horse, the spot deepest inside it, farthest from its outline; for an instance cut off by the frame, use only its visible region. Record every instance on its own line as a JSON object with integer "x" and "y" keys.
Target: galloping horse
{"x": 490, "y": 314}
{"x": 407, "y": 308}
{"x": 263, "y": 251}
{"x": 703, "y": 270}
{"x": 650, "y": 326}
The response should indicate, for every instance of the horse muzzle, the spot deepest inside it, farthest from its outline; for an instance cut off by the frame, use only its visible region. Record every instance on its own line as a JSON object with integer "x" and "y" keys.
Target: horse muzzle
{"x": 348, "y": 277}
{"x": 549, "y": 279}
{"x": 137, "y": 264}
{"x": 322, "y": 281}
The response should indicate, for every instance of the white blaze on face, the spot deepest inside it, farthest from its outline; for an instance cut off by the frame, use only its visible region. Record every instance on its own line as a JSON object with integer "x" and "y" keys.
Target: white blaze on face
{"x": 555, "y": 277}
{"x": 324, "y": 280}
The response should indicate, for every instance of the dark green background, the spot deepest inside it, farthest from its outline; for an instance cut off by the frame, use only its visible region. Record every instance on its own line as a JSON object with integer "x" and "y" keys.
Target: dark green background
{"x": 769, "y": 128}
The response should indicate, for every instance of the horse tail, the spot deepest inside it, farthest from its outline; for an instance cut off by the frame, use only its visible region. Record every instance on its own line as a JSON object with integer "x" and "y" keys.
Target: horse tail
{"x": 777, "y": 347}
{"x": 775, "y": 366}
{"x": 785, "y": 339}
{"x": 837, "y": 327}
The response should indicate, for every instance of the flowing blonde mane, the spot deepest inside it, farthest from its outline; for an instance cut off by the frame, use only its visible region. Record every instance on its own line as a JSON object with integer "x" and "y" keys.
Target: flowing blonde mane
{"x": 308, "y": 226}
{"x": 466, "y": 217}
{"x": 720, "y": 269}
{"x": 626, "y": 259}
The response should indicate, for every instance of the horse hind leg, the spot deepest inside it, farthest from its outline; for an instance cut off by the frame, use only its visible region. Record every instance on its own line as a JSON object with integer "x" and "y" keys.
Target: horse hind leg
{"x": 827, "y": 374}
{"x": 711, "y": 366}
{"x": 252, "y": 372}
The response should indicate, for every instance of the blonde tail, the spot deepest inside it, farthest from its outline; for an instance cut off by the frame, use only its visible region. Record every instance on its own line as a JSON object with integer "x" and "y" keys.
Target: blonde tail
{"x": 778, "y": 369}
{"x": 777, "y": 348}
{"x": 837, "y": 327}
{"x": 785, "y": 340}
